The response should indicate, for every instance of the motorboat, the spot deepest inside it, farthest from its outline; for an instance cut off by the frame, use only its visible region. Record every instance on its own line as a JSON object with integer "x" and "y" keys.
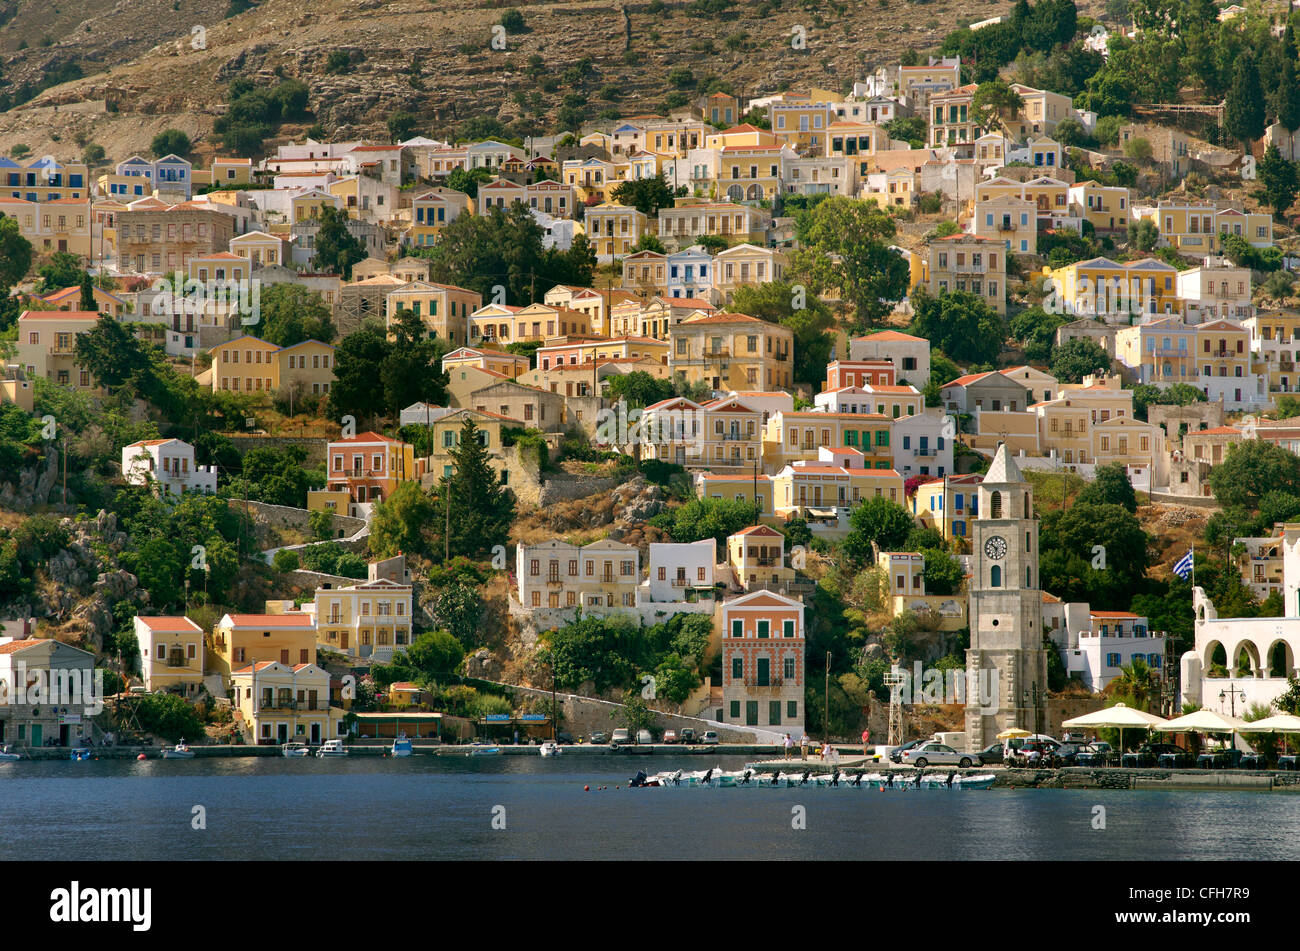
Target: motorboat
{"x": 295, "y": 748}
{"x": 7, "y": 755}
{"x": 79, "y": 755}
{"x": 550, "y": 748}
{"x": 179, "y": 751}
{"x": 485, "y": 751}
{"x": 401, "y": 747}
{"x": 332, "y": 748}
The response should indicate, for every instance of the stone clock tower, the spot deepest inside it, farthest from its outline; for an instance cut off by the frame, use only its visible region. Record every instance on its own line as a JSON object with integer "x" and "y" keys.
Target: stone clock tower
{"x": 1006, "y": 661}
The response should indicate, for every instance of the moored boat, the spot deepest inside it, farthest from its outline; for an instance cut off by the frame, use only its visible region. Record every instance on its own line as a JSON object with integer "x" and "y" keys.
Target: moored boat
{"x": 550, "y": 748}
{"x": 295, "y": 748}
{"x": 7, "y": 755}
{"x": 78, "y": 755}
{"x": 179, "y": 751}
{"x": 332, "y": 748}
{"x": 402, "y": 747}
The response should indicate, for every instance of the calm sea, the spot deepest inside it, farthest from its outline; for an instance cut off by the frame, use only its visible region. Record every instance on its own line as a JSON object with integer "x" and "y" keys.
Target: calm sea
{"x": 429, "y": 807}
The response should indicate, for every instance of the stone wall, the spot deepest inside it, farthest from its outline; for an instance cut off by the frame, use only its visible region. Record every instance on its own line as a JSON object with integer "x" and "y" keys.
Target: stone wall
{"x": 284, "y": 516}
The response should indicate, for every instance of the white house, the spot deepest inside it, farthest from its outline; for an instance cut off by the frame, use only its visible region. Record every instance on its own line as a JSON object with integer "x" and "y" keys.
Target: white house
{"x": 170, "y": 463}
{"x": 674, "y": 568}
{"x": 1096, "y": 644}
{"x": 922, "y": 444}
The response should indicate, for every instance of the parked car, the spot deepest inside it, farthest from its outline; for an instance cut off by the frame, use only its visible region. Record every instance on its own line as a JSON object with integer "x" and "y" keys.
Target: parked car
{"x": 687, "y": 735}
{"x": 644, "y": 738}
{"x": 990, "y": 754}
{"x": 670, "y": 736}
{"x": 598, "y": 736}
{"x": 896, "y": 754}
{"x": 1068, "y": 753}
{"x": 931, "y": 753}
{"x": 564, "y": 737}
{"x": 620, "y": 736}
{"x": 1148, "y": 754}
{"x": 710, "y": 737}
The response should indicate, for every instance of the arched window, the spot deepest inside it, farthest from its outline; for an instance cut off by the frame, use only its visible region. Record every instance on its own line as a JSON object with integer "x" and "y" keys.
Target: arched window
{"x": 995, "y": 577}
{"x": 996, "y": 505}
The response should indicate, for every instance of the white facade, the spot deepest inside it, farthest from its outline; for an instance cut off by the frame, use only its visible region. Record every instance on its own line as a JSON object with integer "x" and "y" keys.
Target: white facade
{"x": 909, "y": 355}
{"x": 675, "y": 567}
{"x": 922, "y": 444}
{"x": 170, "y": 463}
{"x": 1098, "y": 643}
{"x": 1237, "y": 662}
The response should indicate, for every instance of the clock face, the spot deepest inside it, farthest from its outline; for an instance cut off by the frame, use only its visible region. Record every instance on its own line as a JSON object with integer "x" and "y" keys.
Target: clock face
{"x": 995, "y": 547}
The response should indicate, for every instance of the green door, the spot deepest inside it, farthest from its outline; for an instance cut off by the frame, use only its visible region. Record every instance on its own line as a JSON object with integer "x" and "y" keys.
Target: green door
{"x": 764, "y": 673}
{"x": 38, "y": 737}
{"x": 751, "y": 713}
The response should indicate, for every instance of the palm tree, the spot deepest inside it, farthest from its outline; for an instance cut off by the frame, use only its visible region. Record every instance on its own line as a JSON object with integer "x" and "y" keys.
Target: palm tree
{"x": 1135, "y": 682}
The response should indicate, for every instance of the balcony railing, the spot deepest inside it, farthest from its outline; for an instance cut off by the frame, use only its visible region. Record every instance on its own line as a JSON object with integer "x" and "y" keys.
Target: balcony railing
{"x": 771, "y": 682}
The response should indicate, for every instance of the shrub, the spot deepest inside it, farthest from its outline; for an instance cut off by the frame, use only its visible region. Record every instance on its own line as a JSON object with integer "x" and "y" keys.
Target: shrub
{"x": 286, "y": 560}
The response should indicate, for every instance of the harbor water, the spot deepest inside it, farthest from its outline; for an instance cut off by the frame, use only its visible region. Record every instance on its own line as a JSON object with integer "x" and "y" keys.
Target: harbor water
{"x": 511, "y": 808}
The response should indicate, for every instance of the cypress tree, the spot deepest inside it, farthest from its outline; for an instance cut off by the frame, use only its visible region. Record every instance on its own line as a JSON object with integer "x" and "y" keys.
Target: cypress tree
{"x": 481, "y": 507}
{"x": 87, "y": 293}
{"x": 1286, "y": 100}
{"x": 1243, "y": 114}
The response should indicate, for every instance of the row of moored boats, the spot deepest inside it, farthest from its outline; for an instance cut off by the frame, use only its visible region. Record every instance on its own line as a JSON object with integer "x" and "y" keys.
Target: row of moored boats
{"x": 836, "y": 779}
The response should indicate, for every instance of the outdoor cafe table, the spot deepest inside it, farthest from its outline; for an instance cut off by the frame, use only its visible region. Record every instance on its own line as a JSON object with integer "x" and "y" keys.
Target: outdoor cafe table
{"x": 1251, "y": 761}
{"x": 1168, "y": 760}
{"x": 1288, "y": 762}
{"x": 1130, "y": 759}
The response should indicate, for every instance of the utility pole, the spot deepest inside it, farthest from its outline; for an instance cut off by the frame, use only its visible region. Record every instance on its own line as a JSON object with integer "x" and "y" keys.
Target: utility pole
{"x": 826, "y": 711}
{"x": 65, "y": 467}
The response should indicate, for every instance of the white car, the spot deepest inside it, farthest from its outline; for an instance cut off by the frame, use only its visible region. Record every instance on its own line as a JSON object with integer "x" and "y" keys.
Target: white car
{"x": 620, "y": 736}
{"x": 931, "y": 754}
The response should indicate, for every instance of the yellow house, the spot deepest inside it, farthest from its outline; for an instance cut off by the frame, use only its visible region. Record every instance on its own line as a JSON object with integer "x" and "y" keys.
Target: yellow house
{"x": 432, "y": 211}
{"x": 824, "y": 490}
{"x": 70, "y": 299}
{"x": 231, "y": 171}
{"x": 743, "y": 135}
{"x": 719, "y": 434}
{"x": 501, "y": 362}
{"x": 1004, "y": 217}
{"x": 802, "y": 123}
{"x": 442, "y": 308}
{"x": 967, "y": 262}
{"x": 246, "y": 365}
{"x": 756, "y": 557}
{"x": 310, "y": 363}
{"x": 171, "y": 653}
{"x": 732, "y": 352}
{"x": 948, "y": 505}
{"x": 51, "y": 226}
{"x": 502, "y": 325}
{"x": 1196, "y": 227}
{"x": 370, "y": 620}
{"x": 242, "y": 639}
{"x": 279, "y": 703}
{"x": 1103, "y": 286}
{"x": 740, "y": 487}
{"x": 1108, "y": 207}
{"x": 1161, "y": 350}
{"x": 308, "y": 205}
{"x": 751, "y": 172}
{"x": 261, "y": 249}
{"x": 746, "y": 265}
{"x": 446, "y": 437}
{"x": 801, "y": 436}
{"x": 613, "y": 229}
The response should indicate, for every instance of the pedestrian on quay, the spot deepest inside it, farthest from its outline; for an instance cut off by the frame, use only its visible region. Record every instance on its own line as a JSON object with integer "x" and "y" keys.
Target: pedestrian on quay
{"x": 789, "y": 745}
{"x": 866, "y": 736}
{"x": 803, "y": 747}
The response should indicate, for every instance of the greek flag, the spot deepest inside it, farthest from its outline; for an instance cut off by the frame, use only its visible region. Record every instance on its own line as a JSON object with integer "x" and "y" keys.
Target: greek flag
{"x": 1184, "y": 567}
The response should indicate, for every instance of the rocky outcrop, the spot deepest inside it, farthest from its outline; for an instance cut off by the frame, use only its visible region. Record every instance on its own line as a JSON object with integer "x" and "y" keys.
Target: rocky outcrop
{"x": 35, "y": 482}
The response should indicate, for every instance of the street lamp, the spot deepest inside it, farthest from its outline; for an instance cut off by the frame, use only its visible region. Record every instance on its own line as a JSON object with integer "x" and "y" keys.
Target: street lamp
{"x": 1231, "y": 693}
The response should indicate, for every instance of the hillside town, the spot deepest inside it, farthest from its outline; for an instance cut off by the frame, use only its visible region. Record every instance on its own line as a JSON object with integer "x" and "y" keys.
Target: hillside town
{"x": 701, "y": 422}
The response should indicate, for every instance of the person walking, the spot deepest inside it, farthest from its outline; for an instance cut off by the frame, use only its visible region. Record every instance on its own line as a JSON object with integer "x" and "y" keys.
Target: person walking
{"x": 789, "y": 745}
{"x": 866, "y": 736}
{"x": 803, "y": 747}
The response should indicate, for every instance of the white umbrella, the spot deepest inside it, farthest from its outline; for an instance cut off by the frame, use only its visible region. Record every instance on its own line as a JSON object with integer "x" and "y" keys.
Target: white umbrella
{"x": 1206, "y": 721}
{"x": 1120, "y": 717}
{"x": 1281, "y": 723}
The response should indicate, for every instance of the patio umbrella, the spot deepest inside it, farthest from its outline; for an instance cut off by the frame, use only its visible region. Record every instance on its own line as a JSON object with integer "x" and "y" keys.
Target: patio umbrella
{"x": 1207, "y": 721}
{"x": 1015, "y": 733}
{"x": 1281, "y": 723}
{"x": 1119, "y": 717}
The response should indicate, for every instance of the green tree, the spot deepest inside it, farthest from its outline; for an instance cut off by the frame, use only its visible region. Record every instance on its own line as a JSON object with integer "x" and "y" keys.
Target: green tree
{"x": 1069, "y": 562}
{"x": 337, "y": 248}
{"x": 513, "y": 21}
{"x": 1143, "y": 234}
{"x": 804, "y": 315}
{"x": 59, "y": 271}
{"x": 943, "y": 572}
{"x": 1036, "y": 330}
{"x": 846, "y": 247}
{"x": 356, "y": 363}
{"x": 993, "y": 102}
{"x": 170, "y": 142}
{"x": 1251, "y": 469}
{"x": 698, "y": 518}
{"x": 87, "y": 302}
{"x": 290, "y": 314}
{"x": 504, "y": 247}
{"x": 167, "y": 715}
{"x": 434, "y": 656}
{"x": 468, "y": 181}
{"x": 401, "y": 125}
{"x": 112, "y": 355}
{"x": 399, "y": 522}
{"x": 1243, "y": 112}
{"x": 960, "y": 323}
{"x": 15, "y": 254}
{"x": 459, "y": 609}
{"x": 1077, "y": 358}
{"x": 646, "y": 195}
{"x": 1110, "y": 486}
{"x": 475, "y": 509}
{"x": 648, "y": 242}
{"x": 878, "y": 520}
{"x": 638, "y": 389}
{"x": 1286, "y": 96}
{"x": 1280, "y": 180}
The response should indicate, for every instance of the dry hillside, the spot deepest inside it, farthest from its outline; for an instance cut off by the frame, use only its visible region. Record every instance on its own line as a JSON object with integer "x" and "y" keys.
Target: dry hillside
{"x": 139, "y": 60}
